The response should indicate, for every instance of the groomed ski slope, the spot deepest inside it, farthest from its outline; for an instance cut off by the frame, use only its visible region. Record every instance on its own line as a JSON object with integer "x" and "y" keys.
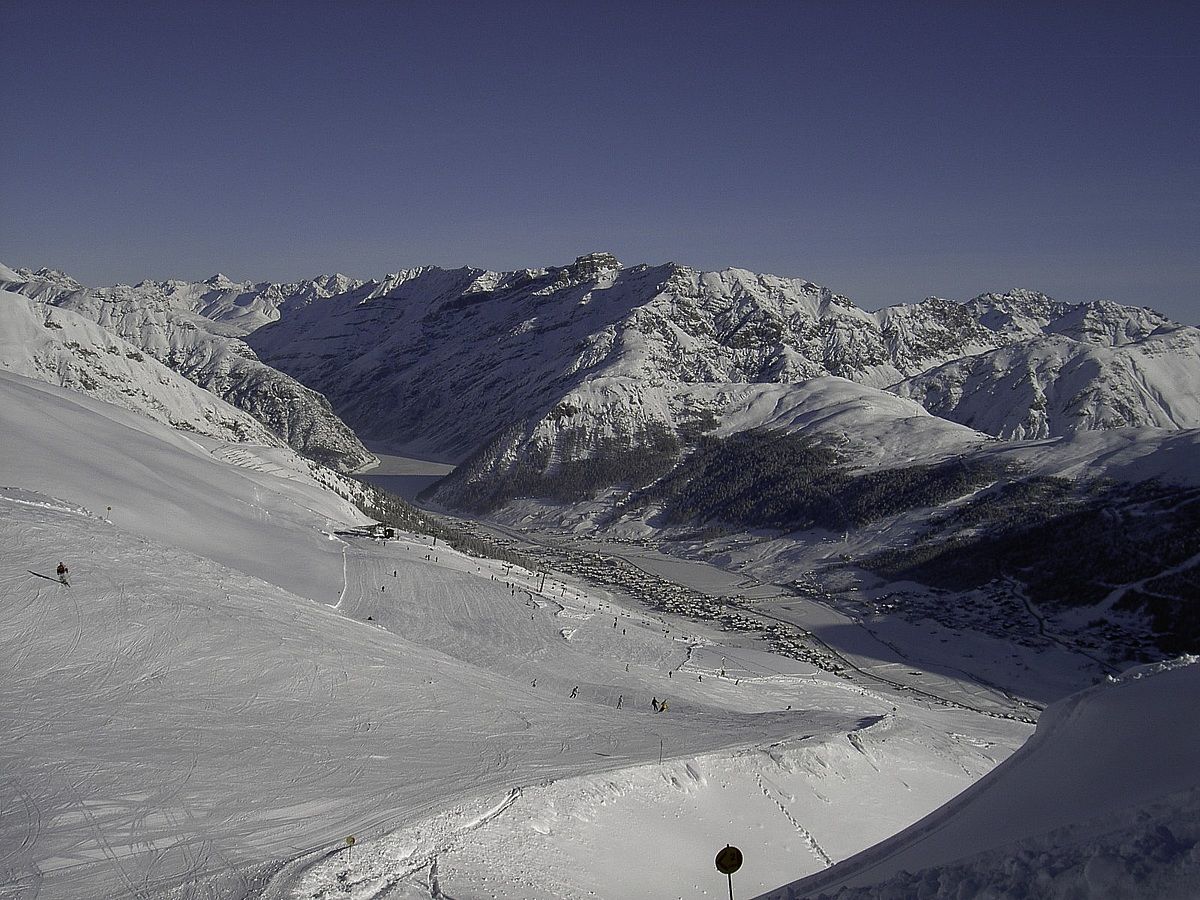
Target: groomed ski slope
{"x": 226, "y": 691}
{"x": 174, "y": 486}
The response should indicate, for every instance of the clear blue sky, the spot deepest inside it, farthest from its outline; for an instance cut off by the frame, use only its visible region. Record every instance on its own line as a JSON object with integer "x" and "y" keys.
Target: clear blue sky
{"x": 889, "y": 150}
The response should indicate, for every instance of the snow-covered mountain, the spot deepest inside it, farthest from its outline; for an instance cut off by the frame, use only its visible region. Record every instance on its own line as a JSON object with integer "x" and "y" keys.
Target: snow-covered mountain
{"x": 619, "y": 430}
{"x": 246, "y": 305}
{"x": 941, "y": 569}
{"x": 441, "y": 362}
{"x": 192, "y": 329}
{"x": 653, "y": 397}
{"x": 63, "y": 348}
{"x": 1095, "y": 366}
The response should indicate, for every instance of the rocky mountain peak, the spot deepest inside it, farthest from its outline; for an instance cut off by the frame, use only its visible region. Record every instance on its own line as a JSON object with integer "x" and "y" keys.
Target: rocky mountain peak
{"x": 53, "y": 276}
{"x": 1107, "y": 323}
{"x": 588, "y": 267}
{"x": 592, "y": 264}
{"x": 1017, "y": 312}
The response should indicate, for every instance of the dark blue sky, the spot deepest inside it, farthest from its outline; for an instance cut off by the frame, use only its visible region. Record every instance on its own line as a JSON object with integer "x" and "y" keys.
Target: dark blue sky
{"x": 888, "y": 150}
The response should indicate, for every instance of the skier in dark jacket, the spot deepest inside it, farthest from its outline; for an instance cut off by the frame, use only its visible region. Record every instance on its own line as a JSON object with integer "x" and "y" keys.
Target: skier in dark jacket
{"x": 62, "y": 572}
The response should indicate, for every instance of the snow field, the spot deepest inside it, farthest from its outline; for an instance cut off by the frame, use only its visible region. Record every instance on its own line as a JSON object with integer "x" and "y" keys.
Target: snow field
{"x": 186, "y": 721}
{"x": 162, "y": 483}
{"x": 168, "y": 719}
{"x": 213, "y": 723}
{"x": 567, "y": 838}
{"x": 1101, "y": 802}
{"x": 651, "y": 830}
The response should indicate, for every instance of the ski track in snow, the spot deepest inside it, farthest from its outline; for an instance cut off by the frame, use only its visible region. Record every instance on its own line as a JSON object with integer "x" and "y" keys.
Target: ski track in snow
{"x": 345, "y": 574}
{"x": 443, "y": 838}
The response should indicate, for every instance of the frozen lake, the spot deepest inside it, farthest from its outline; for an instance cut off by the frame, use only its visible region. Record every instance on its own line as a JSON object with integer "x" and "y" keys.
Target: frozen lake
{"x": 405, "y": 476}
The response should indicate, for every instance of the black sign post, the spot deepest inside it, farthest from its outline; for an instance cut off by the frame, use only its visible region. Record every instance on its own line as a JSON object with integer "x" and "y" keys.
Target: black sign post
{"x": 729, "y": 860}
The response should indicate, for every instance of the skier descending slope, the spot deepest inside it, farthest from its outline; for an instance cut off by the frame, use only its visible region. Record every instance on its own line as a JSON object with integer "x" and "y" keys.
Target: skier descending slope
{"x": 62, "y": 573}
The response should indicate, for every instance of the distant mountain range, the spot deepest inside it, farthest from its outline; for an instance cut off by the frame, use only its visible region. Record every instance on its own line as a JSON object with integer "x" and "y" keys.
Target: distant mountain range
{"x": 662, "y": 398}
{"x": 61, "y": 347}
{"x": 553, "y": 364}
{"x": 440, "y": 362}
{"x": 1067, "y": 369}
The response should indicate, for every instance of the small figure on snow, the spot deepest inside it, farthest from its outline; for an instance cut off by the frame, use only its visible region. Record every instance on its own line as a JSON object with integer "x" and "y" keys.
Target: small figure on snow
{"x": 62, "y": 572}
{"x": 654, "y": 703}
{"x": 620, "y": 697}
{"x": 574, "y": 692}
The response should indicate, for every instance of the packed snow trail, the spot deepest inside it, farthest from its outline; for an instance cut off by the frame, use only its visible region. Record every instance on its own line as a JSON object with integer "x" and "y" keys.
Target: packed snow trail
{"x": 649, "y": 830}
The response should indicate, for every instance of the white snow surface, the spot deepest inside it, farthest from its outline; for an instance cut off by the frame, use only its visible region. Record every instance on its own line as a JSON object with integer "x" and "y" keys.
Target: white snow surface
{"x": 164, "y": 484}
{"x": 184, "y": 720}
{"x": 1122, "y": 454}
{"x": 873, "y": 426}
{"x": 1079, "y": 811}
{"x": 241, "y": 306}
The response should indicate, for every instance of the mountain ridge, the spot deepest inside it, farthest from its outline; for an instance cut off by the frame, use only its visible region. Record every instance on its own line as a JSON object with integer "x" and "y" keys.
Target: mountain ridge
{"x": 196, "y": 333}
{"x": 438, "y": 362}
